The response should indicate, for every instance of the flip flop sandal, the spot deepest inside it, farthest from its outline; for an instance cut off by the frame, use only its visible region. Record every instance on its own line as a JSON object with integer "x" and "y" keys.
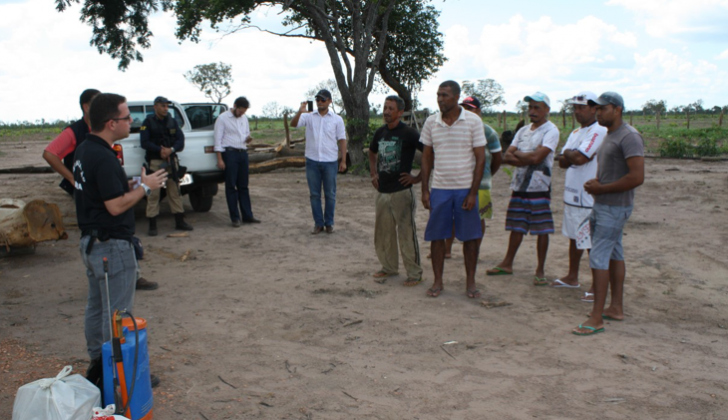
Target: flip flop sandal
{"x": 434, "y": 292}
{"x": 592, "y": 330}
{"x": 382, "y": 274}
{"x": 411, "y": 282}
{"x": 497, "y": 271}
{"x": 588, "y": 297}
{"x": 473, "y": 294}
{"x": 540, "y": 281}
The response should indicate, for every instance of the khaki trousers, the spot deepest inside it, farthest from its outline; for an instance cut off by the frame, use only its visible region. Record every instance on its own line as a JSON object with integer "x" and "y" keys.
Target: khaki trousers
{"x": 395, "y": 221}
{"x": 175, "y": 199}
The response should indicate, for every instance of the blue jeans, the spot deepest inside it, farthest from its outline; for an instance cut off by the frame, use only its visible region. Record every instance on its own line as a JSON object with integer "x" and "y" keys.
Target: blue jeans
{"x": 236, "y": 184}
{"x": 122, "y": 282}
{"x": 318, "y": 174}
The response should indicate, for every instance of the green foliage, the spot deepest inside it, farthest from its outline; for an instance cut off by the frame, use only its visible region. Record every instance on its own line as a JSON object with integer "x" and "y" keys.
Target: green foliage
{"x": 212, "y": 79}
{"x": 681, "y": 142}
{"x": 413, "y": 49}
{"x": 488, "y": 91}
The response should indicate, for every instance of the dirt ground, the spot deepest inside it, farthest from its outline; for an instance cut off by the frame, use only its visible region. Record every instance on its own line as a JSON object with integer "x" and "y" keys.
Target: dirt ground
{"x": 268, "y": 321}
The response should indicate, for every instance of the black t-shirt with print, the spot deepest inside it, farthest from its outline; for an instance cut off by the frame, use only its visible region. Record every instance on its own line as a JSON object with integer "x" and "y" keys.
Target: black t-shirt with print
{"x": 395, "y": 151}
{"x": 99, "y": 177}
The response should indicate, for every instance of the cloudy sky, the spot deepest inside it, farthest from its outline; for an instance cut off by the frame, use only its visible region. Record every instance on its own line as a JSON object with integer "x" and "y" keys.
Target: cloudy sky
{"x": 675, "y": 50}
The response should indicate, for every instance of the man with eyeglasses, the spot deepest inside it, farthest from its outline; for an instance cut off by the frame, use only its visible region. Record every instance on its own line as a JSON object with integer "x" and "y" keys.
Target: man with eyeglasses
{"x": 325, "y": 155}
{"x": 104, "y": 208}
{"x": 578, "y": 158}
{"x": 162, "y": 138}
{"x": 60, "y": 156}
{"x": 529, "y": 210}
{"x": 620, "y": 171}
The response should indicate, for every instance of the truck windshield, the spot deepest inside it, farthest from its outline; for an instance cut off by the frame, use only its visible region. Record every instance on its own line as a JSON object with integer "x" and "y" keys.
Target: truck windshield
{"x": 140, "y": 112}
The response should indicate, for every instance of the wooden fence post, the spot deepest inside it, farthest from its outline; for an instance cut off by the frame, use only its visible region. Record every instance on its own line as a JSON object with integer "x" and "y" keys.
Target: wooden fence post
{"x": 687, "y": 112}
{"x": 505, "y": 126}
{"x": 631, "y": 114}
{"x": 288, "y": 132}
{"x": 563, "y": 117}
{"x": 720, "y": 120}
{"x": 657, "y": 116}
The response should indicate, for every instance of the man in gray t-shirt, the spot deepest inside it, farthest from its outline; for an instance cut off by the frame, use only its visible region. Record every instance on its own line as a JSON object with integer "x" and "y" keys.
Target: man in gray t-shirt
{"x": 621, "y": 169}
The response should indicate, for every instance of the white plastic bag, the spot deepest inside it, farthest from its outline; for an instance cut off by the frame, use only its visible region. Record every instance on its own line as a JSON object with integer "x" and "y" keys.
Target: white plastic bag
{"x": 61, "y": 398}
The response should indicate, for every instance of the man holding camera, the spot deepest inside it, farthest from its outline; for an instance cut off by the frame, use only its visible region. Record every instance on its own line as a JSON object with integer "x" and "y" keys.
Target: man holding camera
{"x": 162, "y": 138}
{"x": 325, "y": 154}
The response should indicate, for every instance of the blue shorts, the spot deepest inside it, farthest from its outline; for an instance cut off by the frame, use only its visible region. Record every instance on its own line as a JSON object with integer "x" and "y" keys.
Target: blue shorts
{"x": 446, "y": 209}
{"x": 607, "y": 224}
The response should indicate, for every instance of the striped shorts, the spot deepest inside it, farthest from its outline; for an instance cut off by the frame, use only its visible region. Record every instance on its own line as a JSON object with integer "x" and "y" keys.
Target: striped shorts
{"x": 530, "y": 212}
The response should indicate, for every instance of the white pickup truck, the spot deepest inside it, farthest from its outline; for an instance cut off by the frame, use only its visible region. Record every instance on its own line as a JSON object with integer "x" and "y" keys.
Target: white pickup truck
{"x": 197, "y": 123}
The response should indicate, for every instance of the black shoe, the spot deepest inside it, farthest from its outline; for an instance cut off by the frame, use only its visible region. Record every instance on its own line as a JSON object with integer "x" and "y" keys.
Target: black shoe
{"x": 144, "y": 284}
{"x": 154, "y": 379}
{"x": 95, "y": 374}
{"x": 180, "y": 223}
{"x": 329, "y": 229}
{"x": 317, "y": 229}
{"x": 251, "y": 220}
{"x": 152, "y": 226}
{"x": 236, "y": 223}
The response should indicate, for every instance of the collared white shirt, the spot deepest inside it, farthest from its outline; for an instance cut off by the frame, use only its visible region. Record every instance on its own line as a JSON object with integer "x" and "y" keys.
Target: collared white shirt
{"x": 587, "y": 141}
{"x": 322, "y": 135}
{"x": 453, "y": 146}
{"x": 231, "y": 131}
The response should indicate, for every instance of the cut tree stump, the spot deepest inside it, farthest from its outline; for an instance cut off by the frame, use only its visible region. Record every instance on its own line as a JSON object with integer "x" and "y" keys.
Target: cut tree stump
{"x": 24, "y": 225}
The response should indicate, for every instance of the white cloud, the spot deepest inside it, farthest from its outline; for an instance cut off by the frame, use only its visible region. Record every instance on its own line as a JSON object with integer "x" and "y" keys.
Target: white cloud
{"x": 694, "y": 19}
{"x": 723, "y": 55}
{"x": 47, "y": 60}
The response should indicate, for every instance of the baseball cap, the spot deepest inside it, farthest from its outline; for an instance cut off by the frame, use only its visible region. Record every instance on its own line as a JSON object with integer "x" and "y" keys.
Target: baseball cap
{"x": 538, "y": 97}
{"x": 323, "y": 93}
{"x": 161, "y": 99}
{"x": 613, "y": 98}
{"x": 583, "y": 98}
{"x": 471, "y": 102}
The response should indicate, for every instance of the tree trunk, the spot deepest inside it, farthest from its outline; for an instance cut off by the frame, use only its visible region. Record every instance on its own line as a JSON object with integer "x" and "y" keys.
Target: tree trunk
{"x": 398, "y": 87}
{"x": 24, "y": 225}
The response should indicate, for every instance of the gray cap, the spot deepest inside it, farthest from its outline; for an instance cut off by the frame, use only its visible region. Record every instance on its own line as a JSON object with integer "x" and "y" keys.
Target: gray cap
{"x": 613, "y": 98}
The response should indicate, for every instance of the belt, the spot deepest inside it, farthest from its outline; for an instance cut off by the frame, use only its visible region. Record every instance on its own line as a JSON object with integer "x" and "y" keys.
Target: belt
{"x": 101, "y": 236}
{"x": 234, "y": 149}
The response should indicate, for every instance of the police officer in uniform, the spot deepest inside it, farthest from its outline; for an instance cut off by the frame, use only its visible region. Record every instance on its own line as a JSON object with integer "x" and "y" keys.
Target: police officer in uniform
{"x": 162, "y": 138}
{"x": 104, "y": 207}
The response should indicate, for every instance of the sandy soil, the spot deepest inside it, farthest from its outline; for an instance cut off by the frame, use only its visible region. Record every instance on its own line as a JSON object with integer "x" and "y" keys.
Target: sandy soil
{"x": 267, "y": 321}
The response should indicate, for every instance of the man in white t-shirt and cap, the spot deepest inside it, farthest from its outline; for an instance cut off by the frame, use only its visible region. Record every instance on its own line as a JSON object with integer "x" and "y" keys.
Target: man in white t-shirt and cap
{"x": 532, "y": 153}
{"x": 578, "y": 158}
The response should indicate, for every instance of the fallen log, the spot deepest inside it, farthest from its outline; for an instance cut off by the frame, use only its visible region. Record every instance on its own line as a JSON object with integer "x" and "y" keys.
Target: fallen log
{"x": 24, "y": 225}
{"x": 278, "y": 163}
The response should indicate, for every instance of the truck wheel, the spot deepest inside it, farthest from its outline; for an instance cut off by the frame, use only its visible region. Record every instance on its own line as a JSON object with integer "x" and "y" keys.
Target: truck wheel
{"x": 200, "y": 201}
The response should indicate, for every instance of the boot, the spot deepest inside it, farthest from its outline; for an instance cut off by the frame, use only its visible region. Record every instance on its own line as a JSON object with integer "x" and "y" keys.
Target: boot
{"x": 152, "y": 226}
{"x": 95, "y": 374}
{"x": 180, "y": 223}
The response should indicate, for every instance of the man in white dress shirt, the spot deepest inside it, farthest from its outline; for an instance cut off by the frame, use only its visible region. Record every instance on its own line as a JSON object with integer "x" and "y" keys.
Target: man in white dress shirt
{"x": 232, "y": 135}
{"x": 325, "y": 154}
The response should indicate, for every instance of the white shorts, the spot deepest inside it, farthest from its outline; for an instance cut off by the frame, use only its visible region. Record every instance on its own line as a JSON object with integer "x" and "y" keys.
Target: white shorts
{"x": 573, "y": 216}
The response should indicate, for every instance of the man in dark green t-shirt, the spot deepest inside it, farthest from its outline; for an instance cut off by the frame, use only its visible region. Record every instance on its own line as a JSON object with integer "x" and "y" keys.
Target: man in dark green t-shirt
{"x": 391, "y": 153}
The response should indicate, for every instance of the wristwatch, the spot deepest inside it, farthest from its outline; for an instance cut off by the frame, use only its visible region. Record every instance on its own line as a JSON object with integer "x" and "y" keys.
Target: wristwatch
{"x": 147, "y": 190}
{"x": 172, "y": 149}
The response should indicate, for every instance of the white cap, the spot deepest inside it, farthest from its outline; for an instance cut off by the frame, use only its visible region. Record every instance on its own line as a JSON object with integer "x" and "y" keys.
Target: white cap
{"x": 583, "y": 98}
{"x": 538, "y": 97}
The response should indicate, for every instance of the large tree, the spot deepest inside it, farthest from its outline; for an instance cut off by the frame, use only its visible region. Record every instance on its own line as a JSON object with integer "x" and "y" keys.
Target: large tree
{"x": 488, "y": 91}
{"x": 212, "y": 79}
{"x": 348, "y": 28}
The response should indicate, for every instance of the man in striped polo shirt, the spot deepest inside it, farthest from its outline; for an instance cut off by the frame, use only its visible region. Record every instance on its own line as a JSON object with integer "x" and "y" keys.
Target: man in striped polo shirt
{"x": 454, "y": 151}
{"x": 532, "y": 153}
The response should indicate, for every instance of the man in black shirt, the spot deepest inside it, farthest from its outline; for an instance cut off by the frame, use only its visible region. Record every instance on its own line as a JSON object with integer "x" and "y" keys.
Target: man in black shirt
{"x": 162, "y": 138}
{"x": 391, "y": 153}
{"x": 104, "y": 204}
